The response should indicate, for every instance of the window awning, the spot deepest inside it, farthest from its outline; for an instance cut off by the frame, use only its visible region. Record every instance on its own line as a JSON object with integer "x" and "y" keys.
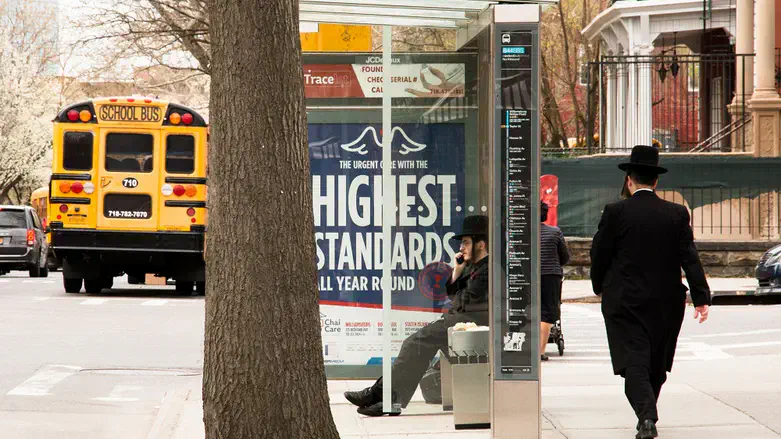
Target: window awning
{"x": 416, "y": 13}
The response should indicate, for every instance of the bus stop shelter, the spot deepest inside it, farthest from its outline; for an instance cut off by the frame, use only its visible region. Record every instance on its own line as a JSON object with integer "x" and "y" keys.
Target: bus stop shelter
{"x": 482, "y": 140}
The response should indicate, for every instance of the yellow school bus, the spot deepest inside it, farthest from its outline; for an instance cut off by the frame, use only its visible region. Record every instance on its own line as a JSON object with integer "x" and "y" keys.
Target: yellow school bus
{"x": 128, "y": 193}
{"x": 39, "y": 200}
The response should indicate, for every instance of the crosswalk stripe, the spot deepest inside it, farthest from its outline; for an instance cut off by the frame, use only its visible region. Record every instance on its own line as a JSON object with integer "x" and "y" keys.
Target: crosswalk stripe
{"x": 38, "y": 281}
{"x": 118, "y": 394}
{"x": 43, "y": 381}
{"x": 155, "y": 302}
{"x": 94, "y": 302}
{"x": 738, "y": 334}
{"x": 756, "y": 344}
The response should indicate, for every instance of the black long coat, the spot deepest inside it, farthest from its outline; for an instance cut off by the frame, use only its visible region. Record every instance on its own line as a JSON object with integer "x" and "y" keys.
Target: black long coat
{"x": 636, "y": 260}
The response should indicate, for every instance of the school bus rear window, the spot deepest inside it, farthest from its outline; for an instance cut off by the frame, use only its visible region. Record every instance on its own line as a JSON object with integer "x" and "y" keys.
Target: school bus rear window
{"x": 127, "y": 152}
{"x": 77, "y": 152}
{"x": 180, "y": 154}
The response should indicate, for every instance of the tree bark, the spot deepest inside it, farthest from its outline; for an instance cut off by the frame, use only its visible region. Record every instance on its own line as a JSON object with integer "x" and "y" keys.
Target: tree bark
{"x": 264, "y": 375}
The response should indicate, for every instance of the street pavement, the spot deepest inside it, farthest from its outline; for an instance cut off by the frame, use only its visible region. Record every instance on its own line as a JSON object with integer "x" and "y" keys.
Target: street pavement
{"x": 119, "y": 365}
{"x": 128, "y": 363}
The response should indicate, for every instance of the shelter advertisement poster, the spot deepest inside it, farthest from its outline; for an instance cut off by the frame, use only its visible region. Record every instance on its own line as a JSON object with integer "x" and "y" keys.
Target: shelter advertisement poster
{"x": 364, "y": 79}
{"x": 428, "y": 180}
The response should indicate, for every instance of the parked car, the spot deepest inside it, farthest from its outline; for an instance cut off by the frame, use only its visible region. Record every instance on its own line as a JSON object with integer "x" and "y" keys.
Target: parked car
{"x": 22, "y": 241}
{"x": 768, "y": 272}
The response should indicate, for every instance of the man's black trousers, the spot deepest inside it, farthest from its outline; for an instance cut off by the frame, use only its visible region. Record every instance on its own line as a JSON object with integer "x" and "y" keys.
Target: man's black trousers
{"x": 642, "y": 390}
{"x": 418, "y": 350}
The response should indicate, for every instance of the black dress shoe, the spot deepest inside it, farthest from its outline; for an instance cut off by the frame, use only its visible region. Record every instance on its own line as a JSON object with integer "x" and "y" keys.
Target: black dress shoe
{"x": 647, "y": 430}
{"x": 361, "y": 398}
{"x": 375, "y": 410}
{"x": 544, "y": 357}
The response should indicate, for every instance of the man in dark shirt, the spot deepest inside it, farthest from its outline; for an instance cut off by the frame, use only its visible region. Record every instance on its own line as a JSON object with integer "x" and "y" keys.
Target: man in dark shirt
{"x": 468, "y": 291}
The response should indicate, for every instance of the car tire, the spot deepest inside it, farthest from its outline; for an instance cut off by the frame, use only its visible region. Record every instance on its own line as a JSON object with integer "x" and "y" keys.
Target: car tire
{"x": 72, "y": 286}
{"x": 44, "y": 272}
{"x": 108, "y": 282}
{"x": 184, "y": 287}
{"x": 35, "y": 270}
{"x": 200, "y": 288}
{"x": 132, "y": 280}
{"x": 93, "y": 286}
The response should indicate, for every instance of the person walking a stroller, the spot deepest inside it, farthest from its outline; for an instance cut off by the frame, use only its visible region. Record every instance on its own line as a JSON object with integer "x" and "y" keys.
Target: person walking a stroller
{"x": 637, "y": 254}
{"x": 553, "y": 254}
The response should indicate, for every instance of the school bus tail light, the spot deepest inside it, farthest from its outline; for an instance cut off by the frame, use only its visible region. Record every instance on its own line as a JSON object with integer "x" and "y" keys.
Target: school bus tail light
{"x": 63, "y": 208}
{"x": 30, "y": 237}
{"x": 187, "y": 118}
{"x": 85, "y": 116}
{"x": 191, "y": 190}
{"x": 175, "y": 118}
{"x": 77, "y": 188}
{"x": 89, "y": 188}
{"x": 191, "y": 212}
{"x": 179, "y": 190}
{"x": 65, "y": 187}
{"x": 73, "y": 115}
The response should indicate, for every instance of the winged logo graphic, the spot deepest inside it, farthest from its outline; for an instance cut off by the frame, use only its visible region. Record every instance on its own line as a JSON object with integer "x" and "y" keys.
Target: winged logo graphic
{"x": 359, "y": 145}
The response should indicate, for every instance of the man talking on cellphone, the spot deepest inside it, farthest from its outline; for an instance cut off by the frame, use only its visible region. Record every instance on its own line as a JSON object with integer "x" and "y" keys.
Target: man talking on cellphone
{"x": 468, "y": 291}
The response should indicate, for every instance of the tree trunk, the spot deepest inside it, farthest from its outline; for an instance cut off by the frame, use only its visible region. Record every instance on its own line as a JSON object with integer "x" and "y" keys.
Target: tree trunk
{"x": 264, "y": 375}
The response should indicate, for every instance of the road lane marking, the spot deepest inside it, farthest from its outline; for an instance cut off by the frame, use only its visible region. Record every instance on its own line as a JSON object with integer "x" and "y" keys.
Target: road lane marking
{"x": 94, "y": 302}
{"x": 155, "y": 302}
{"x": 41, "y": 299}
{"x": 118, "y": 394}
{"x": 37, "y": 281}
{"x": 43, "y": 381}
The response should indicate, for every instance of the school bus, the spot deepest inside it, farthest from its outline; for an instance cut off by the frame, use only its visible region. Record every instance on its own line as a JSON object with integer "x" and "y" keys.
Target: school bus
{"x": 39, "y": 200}
{"x": 128, "y": 193}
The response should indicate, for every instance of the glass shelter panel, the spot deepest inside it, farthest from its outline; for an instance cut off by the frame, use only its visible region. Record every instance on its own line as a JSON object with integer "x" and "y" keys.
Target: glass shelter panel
{"x": 439, "y": 176}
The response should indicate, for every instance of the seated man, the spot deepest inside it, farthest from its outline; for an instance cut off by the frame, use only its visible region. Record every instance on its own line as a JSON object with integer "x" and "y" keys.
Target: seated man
{"x": 468, "y": 290}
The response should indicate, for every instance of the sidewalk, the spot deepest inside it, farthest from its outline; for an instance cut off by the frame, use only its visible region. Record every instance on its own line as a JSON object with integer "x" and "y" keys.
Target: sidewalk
{"x": 717, "y": 401}
{"x": 581, "y": 289}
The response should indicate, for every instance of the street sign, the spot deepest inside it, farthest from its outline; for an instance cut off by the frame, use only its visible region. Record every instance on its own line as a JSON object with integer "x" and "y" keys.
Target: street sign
{"x": 516, "y": 275}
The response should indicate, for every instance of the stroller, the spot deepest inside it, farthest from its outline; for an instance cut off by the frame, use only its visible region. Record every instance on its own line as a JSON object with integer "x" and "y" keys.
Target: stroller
{"x": 556, "y": 335}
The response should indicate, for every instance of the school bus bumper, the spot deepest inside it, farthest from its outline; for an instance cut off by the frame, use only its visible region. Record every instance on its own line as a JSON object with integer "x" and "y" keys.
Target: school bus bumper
{"x": 126, "y": 241}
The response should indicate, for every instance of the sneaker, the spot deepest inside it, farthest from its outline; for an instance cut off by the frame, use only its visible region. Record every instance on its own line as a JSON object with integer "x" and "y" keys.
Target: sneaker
{"x": 361, "y": 398}
{"x": 375, "y": 410}
{"x": 647, "y": 430}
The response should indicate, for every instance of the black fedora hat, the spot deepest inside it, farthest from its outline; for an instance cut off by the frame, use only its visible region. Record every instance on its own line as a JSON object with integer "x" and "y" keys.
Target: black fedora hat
{"x": 644, "y": 158}
{"x": 474, "y": 225}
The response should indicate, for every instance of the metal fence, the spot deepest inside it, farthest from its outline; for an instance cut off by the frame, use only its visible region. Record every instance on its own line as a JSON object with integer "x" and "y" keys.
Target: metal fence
{"x": 680, "y": 103}
{"x": 732, "y": 198}
{"x": 729, "y": 214}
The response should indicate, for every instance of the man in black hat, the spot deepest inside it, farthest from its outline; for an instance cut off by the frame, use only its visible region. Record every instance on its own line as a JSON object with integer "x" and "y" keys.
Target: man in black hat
{"x": 636, "y": 260}
{"x": 468, "y": 291}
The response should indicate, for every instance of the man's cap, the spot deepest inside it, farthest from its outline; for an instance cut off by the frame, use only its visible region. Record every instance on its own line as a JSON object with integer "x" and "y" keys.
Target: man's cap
{"x": 474, "y": 225}
{"x": 644, "y": 159}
